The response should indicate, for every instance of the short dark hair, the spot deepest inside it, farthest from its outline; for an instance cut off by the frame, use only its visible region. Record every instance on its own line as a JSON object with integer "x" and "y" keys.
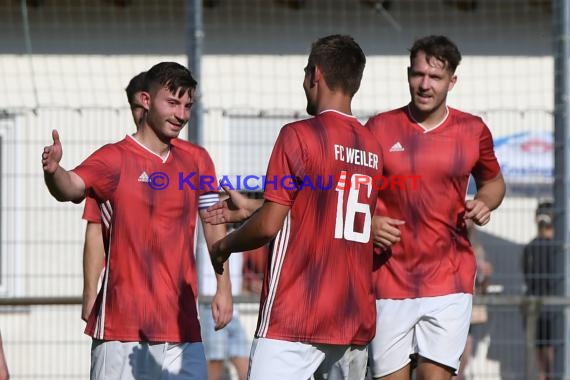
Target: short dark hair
{"x": 177, "y": 78}
{"x": 438, "y": 47}
{"x": 341, "y": 60}
{"x": 136, "y": 84}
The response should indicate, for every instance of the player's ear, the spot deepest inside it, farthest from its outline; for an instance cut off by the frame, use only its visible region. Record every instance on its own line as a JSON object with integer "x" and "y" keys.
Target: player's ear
{"x": 137, "y": 99}
{"x": 316, "y": 75}
{"x": 452, "y": 82}
{"x": 144, "y": 99}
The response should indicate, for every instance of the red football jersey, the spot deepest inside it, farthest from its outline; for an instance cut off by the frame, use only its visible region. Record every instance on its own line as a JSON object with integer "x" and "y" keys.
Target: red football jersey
{"x": 318, "y": 280}
{"x": 434, "y": 256}
{"x": 149, "y": 288}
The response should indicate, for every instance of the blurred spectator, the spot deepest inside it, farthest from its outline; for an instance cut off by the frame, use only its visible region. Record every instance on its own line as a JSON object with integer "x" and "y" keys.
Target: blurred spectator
{"x": 539, "y": 269}
{"x": 479, "y": 315}
{"x": 254, "y": 263}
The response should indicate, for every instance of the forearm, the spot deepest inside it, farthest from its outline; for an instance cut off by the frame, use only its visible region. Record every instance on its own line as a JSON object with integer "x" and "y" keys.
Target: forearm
{"x": 4, "y": 374}
{"x": 213, "y": 233}
{"x": 65, "y": 185}
{"x": 251, "y": 235}
{"x": 93, "y": 258}
{"x": 223, "y": 281}
{"x": 492, "y": 192}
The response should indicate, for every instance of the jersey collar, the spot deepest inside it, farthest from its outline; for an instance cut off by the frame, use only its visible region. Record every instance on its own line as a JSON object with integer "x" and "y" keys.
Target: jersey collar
{"x": 428, "y": 130}
{"x": 163, "y": 159}
{"x": 338, "y": 112}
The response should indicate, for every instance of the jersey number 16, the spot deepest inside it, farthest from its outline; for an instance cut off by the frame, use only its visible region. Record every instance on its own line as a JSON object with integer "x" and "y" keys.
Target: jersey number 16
{"x": 344, "y": 225}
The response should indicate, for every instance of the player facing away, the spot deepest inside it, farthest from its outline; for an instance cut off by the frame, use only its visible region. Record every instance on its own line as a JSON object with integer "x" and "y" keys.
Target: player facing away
{"x": 424, "y": 286}
{"x": 317, "y": 311}
{"x": 96, "y": 235}
{"x": 145, "y": 323}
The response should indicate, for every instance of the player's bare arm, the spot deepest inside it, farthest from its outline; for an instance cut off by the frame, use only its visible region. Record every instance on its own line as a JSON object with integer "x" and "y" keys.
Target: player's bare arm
{"x": 4, "y": 374}
{"x": 386, "y": 231}
{"x": 93, "y": 264}
{"x": 222, "y": 303}
{"x": 62, "y": 184}
{"x": 235, "y": 208}
{"x": 489, "y": 196}
{"x": 254, "y": 233}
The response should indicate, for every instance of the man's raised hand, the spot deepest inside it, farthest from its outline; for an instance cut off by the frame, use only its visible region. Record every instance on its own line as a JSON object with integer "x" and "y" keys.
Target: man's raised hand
{"x": 52, "y": 154}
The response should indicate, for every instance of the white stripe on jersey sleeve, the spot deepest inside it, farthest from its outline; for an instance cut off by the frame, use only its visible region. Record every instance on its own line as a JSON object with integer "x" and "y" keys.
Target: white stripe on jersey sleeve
{"x": 106, "y": 213}
{"x": 278, "y": 256}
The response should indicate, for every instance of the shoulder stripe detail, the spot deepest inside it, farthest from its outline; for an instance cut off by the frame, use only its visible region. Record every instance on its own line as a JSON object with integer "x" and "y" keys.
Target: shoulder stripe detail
{"x": 278, "y": 256}
{"x": 106, "y": 213}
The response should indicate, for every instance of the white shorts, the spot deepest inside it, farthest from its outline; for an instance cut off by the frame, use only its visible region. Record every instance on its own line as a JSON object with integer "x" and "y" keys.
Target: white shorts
{"x": 435, "y": 328}
{"x": 283, "y": 360}
{"x": 142, "y": 360}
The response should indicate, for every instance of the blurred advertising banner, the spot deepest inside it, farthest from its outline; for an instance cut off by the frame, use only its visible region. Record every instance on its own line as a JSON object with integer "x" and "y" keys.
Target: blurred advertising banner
{"x": 527, "y": 162}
